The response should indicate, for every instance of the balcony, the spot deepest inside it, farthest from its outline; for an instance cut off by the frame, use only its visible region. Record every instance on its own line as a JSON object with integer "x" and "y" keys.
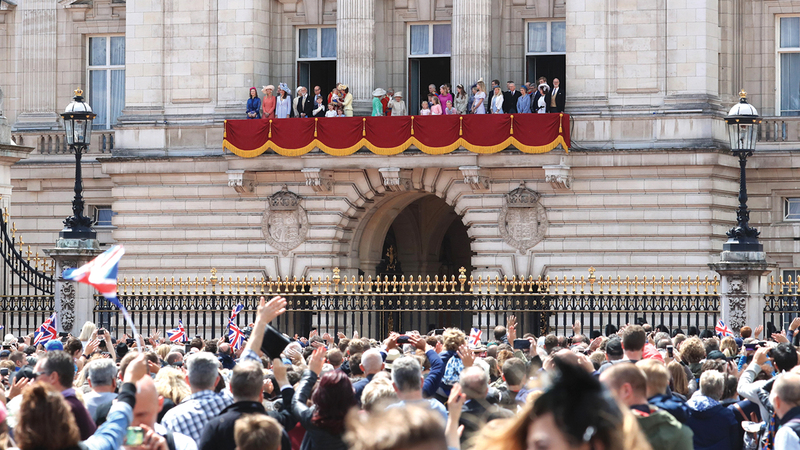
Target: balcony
{"x": 54, "y": 143}
{"x": 435, "y": 135}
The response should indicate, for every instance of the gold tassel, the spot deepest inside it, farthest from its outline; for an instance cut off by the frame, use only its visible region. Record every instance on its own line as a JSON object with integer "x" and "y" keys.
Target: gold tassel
{"x": 270, "y": 129}
{"x": 316, "y": 119}
{"x": 363, "y": 127}
{"x": 512, "y": 124}
{"x": 412, "y": 125}
{"x": 225, "y": 130}
{"x": 560, "y": 118}
{"x": 460, "y": 125}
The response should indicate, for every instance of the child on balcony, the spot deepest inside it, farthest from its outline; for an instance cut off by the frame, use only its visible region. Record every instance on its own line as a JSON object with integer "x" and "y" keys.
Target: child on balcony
{"x": 425, "y": 111}
{"x": 436, "y": 107}
{"x": 451, "y": 110}
{"x": 331, "y": 112}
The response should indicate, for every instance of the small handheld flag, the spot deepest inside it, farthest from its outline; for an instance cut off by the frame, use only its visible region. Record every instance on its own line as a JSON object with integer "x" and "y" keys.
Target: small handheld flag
{"x": 177, "y": 334}
{"x": 475, "y": 337}
{"x": 723, "y": 329}
{"x": 235, "y": 335}
{"x": 236, "y": 310}
{"x": 46, "y": 332}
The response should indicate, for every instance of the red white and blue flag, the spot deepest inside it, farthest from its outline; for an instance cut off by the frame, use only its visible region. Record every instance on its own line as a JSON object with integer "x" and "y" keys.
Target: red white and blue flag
{"x": 101, "y": 273}
{"x": 46, "y": 332}
{"x": 235, "y": 336}
{"x": 236, "y": 310}
{"x": 177, "y": 334}
{"x": 723, "y": 329}
{"x": 475, "y": 337}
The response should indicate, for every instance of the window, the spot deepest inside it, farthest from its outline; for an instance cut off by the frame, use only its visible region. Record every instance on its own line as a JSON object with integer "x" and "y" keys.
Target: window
{"x": 106, "y": 57}
{"x": 430, "y": 39}
{"x": 102, "y": 216}
{"x": 316, "y": 43}
{"x": 546, "y": 38}
{"x": 791, "y": 208}
{"x": 788, "y": 58}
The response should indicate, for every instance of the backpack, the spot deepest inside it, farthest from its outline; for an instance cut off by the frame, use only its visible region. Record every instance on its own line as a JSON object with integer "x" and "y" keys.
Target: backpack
{"x": 794, "y": 424}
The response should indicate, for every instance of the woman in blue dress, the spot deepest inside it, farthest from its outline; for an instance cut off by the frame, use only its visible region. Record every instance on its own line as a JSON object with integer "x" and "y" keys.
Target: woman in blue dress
{"x": 253, "y": 105}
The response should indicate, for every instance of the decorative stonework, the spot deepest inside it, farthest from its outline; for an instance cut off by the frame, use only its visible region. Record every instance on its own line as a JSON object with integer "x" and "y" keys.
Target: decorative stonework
{"x": 737, "y": 303}
{"x": 523, "y": 220}
{"x": 67, "y": 313}
{"x": 474, "y": 179}
{"x": 241, "y": 181}
{"x": 319, "y": 180}
{"x": 559, "y": 176}
{"x": 395, "y": 179}
{"x": 285, "y": 223}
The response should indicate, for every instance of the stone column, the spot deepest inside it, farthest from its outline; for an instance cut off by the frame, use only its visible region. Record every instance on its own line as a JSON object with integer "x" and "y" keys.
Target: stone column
{"x": 471, "y": 44}
{"x": 74, "y": 302}
{"x": 355, "y": 51}
{"x": 742, "y": 288}
{"x": 9, "y": 154}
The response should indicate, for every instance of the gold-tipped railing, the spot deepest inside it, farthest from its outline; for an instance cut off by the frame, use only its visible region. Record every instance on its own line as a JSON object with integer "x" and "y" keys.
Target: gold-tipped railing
{"x": 38, "y": 262}
{"x": 462, "y": 284}
{"x": 782, "y": 286}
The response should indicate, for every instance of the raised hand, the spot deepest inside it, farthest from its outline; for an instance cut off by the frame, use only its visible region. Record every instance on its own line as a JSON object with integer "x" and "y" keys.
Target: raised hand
{"x": 279, "y": 370}
{"x": 418, "y": 342}
{"x": 17, "y": 387}
{"x": 466, "y": 355}
{"x": 757, "y": 331}
{"x": 316, "y": 361}
{"x": 267, "y": 311}
{"x": 511, "y": 326}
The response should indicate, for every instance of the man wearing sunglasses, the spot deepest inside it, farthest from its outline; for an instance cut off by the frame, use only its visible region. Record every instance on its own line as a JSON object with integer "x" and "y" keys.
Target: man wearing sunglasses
{"x": 58, "y": 369}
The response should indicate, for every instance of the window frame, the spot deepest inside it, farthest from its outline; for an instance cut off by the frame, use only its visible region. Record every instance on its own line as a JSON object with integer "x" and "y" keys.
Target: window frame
{"x": 319, "y": 56}
{"x": 430, "y": 25}
{"x": 108, "y": 68}
{"x": 96, "y": 216}
{"x": 786, "y": 201}
{"x": 549, "y": 23}
{"x": 778, "y": 52}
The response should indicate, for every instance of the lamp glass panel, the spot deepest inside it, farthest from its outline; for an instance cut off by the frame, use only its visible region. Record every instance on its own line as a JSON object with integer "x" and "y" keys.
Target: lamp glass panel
{"x": 68, "y": 131}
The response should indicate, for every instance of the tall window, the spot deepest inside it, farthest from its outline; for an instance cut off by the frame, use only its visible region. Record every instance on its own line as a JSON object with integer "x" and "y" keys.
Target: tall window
{"x": 316, "y": 43}
{"x": 430, "y": 39}
{"x": 547, "y": 38}
{"x": 789, "y": 66}
{"x": 106, "y": 78}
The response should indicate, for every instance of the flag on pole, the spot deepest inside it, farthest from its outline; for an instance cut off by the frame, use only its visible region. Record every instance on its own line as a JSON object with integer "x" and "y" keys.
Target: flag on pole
{"x": 235, "y": 336}
{"x": 723, "y": 329}
{"x": 177, "y": 334}
{"x": 101, "y": 273}
{"x": 46, "y": 332}
{"x": 236, "y": 310}
{"x": 475, "y": 337}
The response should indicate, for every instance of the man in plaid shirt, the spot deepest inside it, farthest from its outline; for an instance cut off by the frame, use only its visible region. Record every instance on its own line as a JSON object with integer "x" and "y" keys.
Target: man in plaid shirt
{"x": 202, "y": 369}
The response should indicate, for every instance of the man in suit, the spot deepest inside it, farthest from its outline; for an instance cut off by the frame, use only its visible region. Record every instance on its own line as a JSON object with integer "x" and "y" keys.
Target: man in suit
{"x": 556, "y": 98}
{"x": 510, "y": 98}
{"x": 305, "y": 104}
{"x": 477, "y": 411}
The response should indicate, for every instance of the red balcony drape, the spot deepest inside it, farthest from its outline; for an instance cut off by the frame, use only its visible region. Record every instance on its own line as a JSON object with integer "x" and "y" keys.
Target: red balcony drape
{"x": 435, "y": 135}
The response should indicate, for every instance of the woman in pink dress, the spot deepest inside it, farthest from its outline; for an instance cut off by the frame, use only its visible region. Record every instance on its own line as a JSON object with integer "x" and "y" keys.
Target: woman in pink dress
{"x": 268, "y": 103}
{"x": 444, "y": 96}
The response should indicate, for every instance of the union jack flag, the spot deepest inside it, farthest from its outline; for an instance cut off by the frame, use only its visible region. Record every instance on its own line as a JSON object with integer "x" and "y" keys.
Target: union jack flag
{"x": 475, "y": 337}
{"x": 236, "y": 310}
{"x": 723, "y": 329}
{"x": 101, "y": 273}
{"x": 177, "y": 334}
{"x": 46, "y": 332}
{"x": 235, "y": 335}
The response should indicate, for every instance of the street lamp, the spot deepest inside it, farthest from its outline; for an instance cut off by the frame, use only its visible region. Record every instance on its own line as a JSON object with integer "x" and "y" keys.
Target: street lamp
{"x": 742, "y": 121}
{"x": 78, "y": 119}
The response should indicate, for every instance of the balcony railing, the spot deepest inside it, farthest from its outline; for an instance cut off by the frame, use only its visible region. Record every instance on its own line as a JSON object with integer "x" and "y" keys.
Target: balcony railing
{"x": 54, "y": 143}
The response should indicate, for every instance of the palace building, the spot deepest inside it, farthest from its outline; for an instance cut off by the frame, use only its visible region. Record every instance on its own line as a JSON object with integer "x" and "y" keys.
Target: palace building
{"x": 634, "y": 179}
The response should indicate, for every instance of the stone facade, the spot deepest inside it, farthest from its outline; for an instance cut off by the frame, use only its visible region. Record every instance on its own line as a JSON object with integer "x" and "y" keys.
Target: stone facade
{"x": 647, "y": 187}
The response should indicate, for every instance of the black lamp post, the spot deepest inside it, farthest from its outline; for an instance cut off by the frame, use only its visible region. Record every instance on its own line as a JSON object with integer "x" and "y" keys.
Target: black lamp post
{"x": 743, "y": 121}
{"x": 78, "y": 119}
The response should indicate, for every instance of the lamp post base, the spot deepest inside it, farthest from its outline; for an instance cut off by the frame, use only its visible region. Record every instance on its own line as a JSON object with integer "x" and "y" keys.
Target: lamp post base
{"x": 743, "y": 245}
{"x": 68, "y": 233}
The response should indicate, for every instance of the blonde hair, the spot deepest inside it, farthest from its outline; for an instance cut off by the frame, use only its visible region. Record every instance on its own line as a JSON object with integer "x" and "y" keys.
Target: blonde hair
{"x": 453, "y": 338}
{"x": 394, "y": 429}
{"x": 728, "y": 346}
{"x": 257, "y": 432}
{"x": 692, "y": 350}
{"x": 86, "y": 331}
{"x": 162, "y": 351}
{"x": 680, "y": 383}
{"x": 171, "y": 383}
{"x": 379, "y": 391}
{"x": 481, "y": 86}
{"x": 657, "y": 376}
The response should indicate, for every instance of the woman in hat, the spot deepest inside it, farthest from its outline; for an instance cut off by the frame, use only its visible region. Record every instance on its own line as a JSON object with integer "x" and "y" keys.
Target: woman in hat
{"x": 253, "y": 105}
{"x": 398, "y": 105}
{"x": 268, "y": 102}
{"x": 460, "y": 101}
{"x": 283, "y": 108}
{"x": 347, "y": 101}
{"x": 377, "y": 106}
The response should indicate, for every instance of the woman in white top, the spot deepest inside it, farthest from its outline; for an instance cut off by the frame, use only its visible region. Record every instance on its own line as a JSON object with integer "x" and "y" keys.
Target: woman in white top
{"x": 478, "y": 106}
{"x": 541, "y": 104}
{"x": 497, "y": 101}
{"x": 398, "y": 105}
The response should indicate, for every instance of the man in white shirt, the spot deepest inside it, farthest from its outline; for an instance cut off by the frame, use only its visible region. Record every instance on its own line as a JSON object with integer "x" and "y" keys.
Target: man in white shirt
{"x": 785, "y": 398}
{"x": 103, "y": 381}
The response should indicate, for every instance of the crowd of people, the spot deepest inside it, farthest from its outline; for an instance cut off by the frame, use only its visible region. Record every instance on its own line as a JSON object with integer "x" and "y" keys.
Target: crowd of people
{"x": 537, "y": 97}
{"x": 639, "y": 387}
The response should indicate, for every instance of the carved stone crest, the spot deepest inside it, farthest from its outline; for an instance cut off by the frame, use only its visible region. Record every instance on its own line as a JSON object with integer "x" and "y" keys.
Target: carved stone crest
{"x": 737, "y": 312}
{"x": 67, "y": 313}
{"x": 523, "y": 220}
{"x": 285, "y": 223}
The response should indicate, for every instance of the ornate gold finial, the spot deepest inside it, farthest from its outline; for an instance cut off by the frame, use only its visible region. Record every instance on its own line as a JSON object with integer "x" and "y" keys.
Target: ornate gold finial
{"x": 213, "y": 275}
{"x": 742, "y": 94}
{"x": 336, "y": 277}
{"x": 79, "y": 92}
{"x": 462, "y": 276}
{"x": 591, "y": 274}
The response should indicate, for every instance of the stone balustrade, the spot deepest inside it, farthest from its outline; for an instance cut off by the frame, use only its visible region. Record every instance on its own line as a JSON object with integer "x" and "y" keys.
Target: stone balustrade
{"x": 54, "y": 143}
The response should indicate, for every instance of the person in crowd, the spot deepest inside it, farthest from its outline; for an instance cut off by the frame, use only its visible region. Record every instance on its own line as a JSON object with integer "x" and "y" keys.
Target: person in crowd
{"x": 145, "y": 414}
{"x": 538, "y": 88}
{"x": 407, "y": 381}
{"x": 633, "y": 341}
{"x": 450, "y": 109}
{"x": 253, "y": 105}
{"x": 477, "y": 411}
{"x": 58, "y": 370}
{"x": 409, "y": 428}
{"x": 257, "y": 432}
{"x": 46, "y": 422}
{"x": 444, "y": 96}
{"x": 714, "y": 425}
{"x": 377, "y": 106}
{"x": 377, "y": 394}
{"x": 497, "y": 101}
{"x": 478, "y": 105}
{"x": 103, "y": 381}
{"x": 424, "y": 110}
{"x": 557, "y": 98}
{"x": 319, "y": 108}
{"x": 460, "y": 100}
{"x": 283, "y": 107}
{"x": 372, "y": 364}
{"x": 387, "y": 110}
{"x": 347, "y": 100}
{"x": 658, "y": 393}
{"x": 510, "y": 98}
{"x": 436, "y": 107}
{"x": 540, "y": 106}
{"x": 88, "y": 333}
{"x": 334, "y": 397}
{"x": 305, "y": 104}
{"x": 295, "y": 111}
{"x": 628, "y": 383}
{"x": 785, "y": 398}
{"x": 269, "y": 102}
{"x": 331, "y": 112}
{"x": 524, "y": 101}
{"x": 491, "y": 94}
{"x": 754, "y": 387}
{"x": 225, "y": 356}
